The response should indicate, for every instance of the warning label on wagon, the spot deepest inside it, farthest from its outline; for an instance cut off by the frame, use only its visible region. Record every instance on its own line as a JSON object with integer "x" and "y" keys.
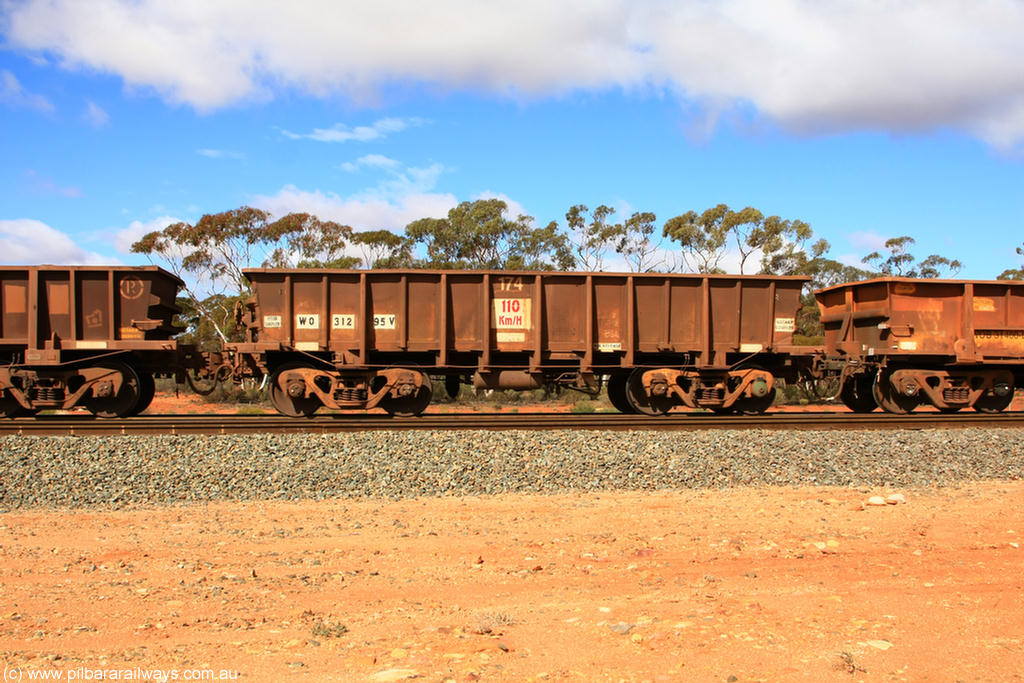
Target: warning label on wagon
{"x": 785, "y": 325}
{"x": 511, "y": 314}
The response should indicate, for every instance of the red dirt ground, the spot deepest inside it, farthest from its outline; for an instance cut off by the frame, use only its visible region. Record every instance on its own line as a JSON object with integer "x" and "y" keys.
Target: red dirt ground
{"x": 735, "y": 585}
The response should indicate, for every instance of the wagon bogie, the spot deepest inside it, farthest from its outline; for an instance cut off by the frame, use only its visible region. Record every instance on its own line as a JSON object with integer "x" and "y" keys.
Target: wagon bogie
{"x": 949, "y": 390}
{"x": 895, "y": 393}
{"x": 299, "y": 390}
{"x": 649, "y": 393}
{"x": 108, "y": 388}
{"x": 115, "y": 389}
{"x": 749, "y": 390}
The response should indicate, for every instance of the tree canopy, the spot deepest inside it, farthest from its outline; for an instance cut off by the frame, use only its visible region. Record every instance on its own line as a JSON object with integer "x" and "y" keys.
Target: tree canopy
{"x": 480, "y": 234}
{"x": 1013, "y": 273}
{"x": 900, "y": 263}
{"x": 211, "y": 254}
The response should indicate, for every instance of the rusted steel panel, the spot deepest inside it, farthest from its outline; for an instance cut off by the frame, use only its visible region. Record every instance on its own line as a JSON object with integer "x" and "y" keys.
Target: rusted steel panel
{"x": 86, "y": 307}
{"x": 565, "y": 313}
{"x": 465, "y": 292}
{"x": 998, "y": 311}
{"x": 650, "y": 306}
{"x": 686, "y": 314}
{"x": 424, "y": 313}
{"x": 343, "y": 292}
{"x": 387, "y": 308}
{"x": 14, "y": 304}
{"x": 612, "y": 310}
{"x": 966, "y": 321}
{"x": 526, "y": 320}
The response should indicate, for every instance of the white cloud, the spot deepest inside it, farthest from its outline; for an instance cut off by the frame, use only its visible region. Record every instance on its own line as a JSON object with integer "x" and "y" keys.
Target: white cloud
{"x": 27, "y": 241}
{"x": 411, "y": 180}
{"x": 405, "y": 194}
{"x": 219, "y": 154}
{"x": 14, "y": 95}
{"x": 339, "y": 132}
{"x": 136, "y": 230}
{"x": 95, "y": 115}
{"x": 897, "y": 65}
{"x": 370, "y": 161}
{"x": 854, "y": 260}
{"x": 368, "y": 211}
{"x": 817, "y": 67}
{"x": 867, "y": 240}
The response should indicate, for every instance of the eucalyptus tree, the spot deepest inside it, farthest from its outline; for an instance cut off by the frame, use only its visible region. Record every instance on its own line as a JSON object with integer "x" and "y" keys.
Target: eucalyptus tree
{"x": 480, "y": 234}
{"x": 591, "y": 235}
{"x": 1013, "y": 273}
{"x": 211, "y": 254}
{"x": 901, "y": 263}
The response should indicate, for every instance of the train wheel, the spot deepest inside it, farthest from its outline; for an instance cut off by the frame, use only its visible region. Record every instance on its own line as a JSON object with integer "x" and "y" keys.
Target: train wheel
{"x": 990, "y": 403}
{"x": 147, "y": 390}
{"x": 756, "y": 406}
{"x": 890, "y": 400}
{"x": 127, "y": 398}
{"x": 283, "y": 400}
{"x": 857, "y": 393}
{"x": 750, "y": 405}
{"x": 409, "y": 406}
{"x": 640, "y": 401}
{"x": 617, "y": 393}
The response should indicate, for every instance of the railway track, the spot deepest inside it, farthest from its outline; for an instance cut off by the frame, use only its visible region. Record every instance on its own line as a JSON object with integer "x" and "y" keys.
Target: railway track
{"x": 84, "y": 425}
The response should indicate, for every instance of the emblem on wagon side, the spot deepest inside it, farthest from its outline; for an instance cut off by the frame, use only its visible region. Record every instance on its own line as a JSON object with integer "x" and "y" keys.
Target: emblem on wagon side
{"x": 131, "y": 287}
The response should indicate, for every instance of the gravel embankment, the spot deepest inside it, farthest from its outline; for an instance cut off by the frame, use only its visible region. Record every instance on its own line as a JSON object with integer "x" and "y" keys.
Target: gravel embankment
{"x": 154, "y": 470}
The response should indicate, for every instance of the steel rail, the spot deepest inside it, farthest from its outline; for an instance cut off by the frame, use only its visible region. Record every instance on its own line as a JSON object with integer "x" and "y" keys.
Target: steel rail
{"x": 84, "y": 425}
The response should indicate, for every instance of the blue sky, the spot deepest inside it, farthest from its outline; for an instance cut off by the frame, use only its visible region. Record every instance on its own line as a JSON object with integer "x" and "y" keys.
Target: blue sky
{"x": 867, "y": 120}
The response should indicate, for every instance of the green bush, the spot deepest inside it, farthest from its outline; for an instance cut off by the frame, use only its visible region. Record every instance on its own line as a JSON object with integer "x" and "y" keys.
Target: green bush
{"x": 583, "y": 407}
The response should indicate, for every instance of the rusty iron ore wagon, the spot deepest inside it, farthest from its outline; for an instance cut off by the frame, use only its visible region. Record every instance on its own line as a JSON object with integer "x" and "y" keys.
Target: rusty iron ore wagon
{"x": 904, "y": 342}
{"x": 344, "y": 339}
{"x": 92, "y": 336}
{"x": 363, "y": 339}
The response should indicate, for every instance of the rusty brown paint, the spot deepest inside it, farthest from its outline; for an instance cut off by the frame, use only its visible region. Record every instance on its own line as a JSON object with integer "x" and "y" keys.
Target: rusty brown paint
{"x": 964, "y": 321}
{"x": 527, "y": 320}
{"x": 85, "y": 307}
